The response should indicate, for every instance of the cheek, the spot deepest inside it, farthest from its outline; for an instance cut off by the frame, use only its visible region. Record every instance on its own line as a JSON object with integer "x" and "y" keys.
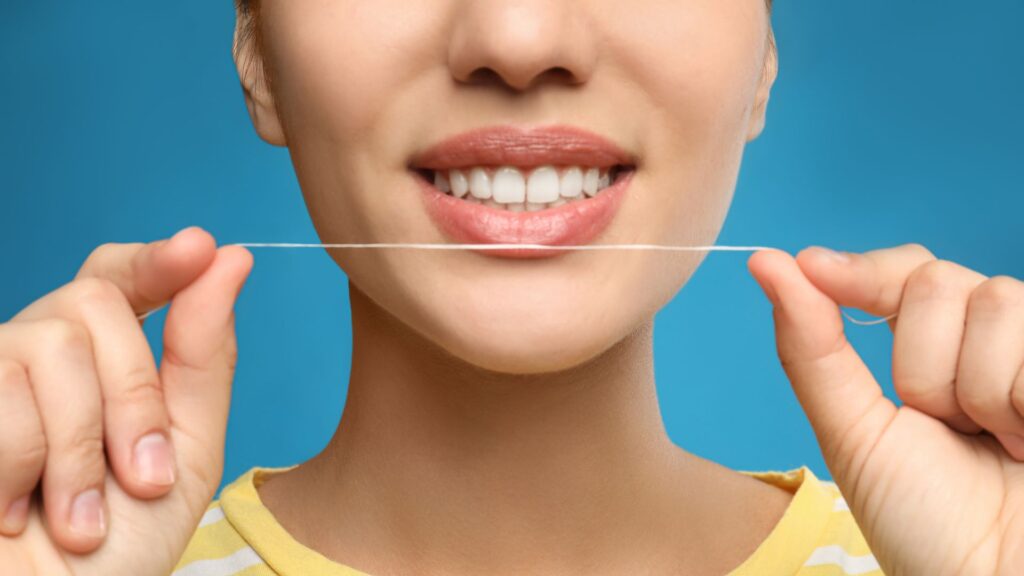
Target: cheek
{"x": 699, "y": 66}
{"x": 340, "y": 70}
{"x": 339, "y": 63}
{"x": 698, "y": 62}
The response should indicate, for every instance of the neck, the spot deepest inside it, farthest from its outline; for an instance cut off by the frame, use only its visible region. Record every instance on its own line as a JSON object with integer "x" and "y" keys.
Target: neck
{"x": 456, "y": 466}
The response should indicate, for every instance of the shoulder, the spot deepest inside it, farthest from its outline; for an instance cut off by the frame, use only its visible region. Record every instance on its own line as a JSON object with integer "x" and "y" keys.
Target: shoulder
{"x": 817, "y": 535}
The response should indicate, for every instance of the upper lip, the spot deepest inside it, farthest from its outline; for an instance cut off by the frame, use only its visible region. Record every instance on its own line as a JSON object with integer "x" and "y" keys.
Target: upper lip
{"x": 524, "y": 147}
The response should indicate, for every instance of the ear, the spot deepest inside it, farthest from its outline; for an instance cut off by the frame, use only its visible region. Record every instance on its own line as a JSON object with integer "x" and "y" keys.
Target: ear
{"x": 764, "y": 91}
{"x": 259, "y": 98}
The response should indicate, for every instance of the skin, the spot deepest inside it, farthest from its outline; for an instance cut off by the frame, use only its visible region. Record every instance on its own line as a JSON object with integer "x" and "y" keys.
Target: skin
{"x": 465, "y": 422}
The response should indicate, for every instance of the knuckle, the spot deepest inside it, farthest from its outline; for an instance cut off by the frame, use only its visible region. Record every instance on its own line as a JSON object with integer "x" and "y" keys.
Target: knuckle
{"x": 12, "y": 374}
{"x": 998, "y": 293}
{"x": 141, "y": 387}
{"x": 62, "y": 335}
{"x": 29, "y": 456}
{"x": 92, "y": 291}
{"x": 83, "y": 445}
{"x": 918, "y": 390}
{"x": 919, "y": 250}
{"x": 933, "y": 280}
{"x": 101, "y": 252}
{"x": 107, "y": 252}
{"x": 978, "y": 400}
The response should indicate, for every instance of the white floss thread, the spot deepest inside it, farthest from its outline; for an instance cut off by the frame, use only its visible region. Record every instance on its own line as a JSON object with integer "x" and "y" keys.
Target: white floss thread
{"x": 538, "y": 247}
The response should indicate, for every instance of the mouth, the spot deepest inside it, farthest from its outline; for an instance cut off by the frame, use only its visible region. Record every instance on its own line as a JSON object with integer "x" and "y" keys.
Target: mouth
{"x": 553, "y": 186}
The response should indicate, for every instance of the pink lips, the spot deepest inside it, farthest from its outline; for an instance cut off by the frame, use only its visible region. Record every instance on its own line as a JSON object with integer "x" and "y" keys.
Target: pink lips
{"x": 576, "y": 223}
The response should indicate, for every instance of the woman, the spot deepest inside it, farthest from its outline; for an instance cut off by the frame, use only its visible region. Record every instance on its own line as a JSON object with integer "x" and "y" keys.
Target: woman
{"x": 501, "y": 415}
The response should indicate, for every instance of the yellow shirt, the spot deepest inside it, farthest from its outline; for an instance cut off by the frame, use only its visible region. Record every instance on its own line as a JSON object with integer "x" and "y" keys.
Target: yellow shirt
{"x": 816, "y": 536}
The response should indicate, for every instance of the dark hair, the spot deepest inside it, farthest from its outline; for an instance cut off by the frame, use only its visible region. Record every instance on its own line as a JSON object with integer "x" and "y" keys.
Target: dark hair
{"x": 250, "y": 38}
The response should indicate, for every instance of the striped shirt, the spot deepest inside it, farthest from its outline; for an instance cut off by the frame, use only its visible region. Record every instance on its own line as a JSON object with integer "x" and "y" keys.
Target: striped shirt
{"x": 816, "y": 536}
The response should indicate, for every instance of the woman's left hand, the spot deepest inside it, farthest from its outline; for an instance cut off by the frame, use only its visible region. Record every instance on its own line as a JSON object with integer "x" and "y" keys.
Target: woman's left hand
{"x": 936, "y": 485}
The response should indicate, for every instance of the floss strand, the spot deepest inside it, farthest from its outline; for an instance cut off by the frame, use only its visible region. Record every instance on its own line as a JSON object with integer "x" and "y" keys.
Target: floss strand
{"x": 538, "y": 247}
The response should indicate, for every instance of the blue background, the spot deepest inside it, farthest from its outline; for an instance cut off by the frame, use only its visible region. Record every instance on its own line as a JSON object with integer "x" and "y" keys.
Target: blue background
{"x": 891, "y": 122}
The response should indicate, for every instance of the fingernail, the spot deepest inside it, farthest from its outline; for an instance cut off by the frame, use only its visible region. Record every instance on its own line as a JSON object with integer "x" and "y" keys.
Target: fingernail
{"x": 87, "y": 516}
{"x": 153, "y": 461}
{"x": 837, "y": 257}
{"x": 17, "y": 514}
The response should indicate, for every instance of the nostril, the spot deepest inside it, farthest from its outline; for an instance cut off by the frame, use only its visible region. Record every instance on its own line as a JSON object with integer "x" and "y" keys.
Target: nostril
{"x": 484, "y": 76}
{"x": 559, "y": 75}
{"x": 487, "y": 76}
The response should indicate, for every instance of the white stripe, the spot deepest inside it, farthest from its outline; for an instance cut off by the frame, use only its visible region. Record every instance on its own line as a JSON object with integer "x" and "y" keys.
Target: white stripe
{"x": 835, "y": 555}
{"x": 212, "y": 515}
{"x": 244, "y": 558}
{"x": 841, "y": 505}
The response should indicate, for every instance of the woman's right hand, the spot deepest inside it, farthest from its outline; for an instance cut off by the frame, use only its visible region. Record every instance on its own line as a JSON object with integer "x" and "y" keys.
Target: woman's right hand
{"x": 122, "y": 458}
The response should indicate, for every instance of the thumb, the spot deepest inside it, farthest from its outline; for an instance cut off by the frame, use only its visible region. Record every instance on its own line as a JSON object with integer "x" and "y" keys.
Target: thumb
{"x": 198, "y": 364}
{"x": 842, "y": 399}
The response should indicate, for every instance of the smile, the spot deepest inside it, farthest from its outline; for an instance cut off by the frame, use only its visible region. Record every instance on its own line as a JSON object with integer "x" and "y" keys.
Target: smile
{"x": 520, "y": 190}
{"x": 554, "y": 186}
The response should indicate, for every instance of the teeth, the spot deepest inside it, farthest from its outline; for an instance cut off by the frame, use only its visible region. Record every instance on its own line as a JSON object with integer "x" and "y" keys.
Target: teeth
{"x": 441, "y": 182}
{"x": 542, "y": 188}
{"x": 479, "y": 184}
{"x": 591, "y": 180}
{"x": 460, "y": 185}
{"x": 572, "y": 183}
{"x": 508, "y": 188}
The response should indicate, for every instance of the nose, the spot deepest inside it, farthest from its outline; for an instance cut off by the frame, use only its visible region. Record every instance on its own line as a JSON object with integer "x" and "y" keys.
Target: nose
{"x": 520, "y": 43}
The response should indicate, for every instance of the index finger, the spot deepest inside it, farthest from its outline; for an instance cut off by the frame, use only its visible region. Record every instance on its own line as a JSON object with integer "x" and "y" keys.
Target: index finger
{"x": 872, "y": 281}
{"x": 151, "y": 274}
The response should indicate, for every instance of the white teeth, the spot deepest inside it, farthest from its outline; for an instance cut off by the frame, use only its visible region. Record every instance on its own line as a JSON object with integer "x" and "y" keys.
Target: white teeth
{"x": 460, "y": 186}
{"x": 479, "y": 184}
{"x": 543, "y": 186}
{"x": 591, "y": 180}
{"x": 441, "y": 182}
{"x": 572, "y": 183}
{"x": 509, "y": 186}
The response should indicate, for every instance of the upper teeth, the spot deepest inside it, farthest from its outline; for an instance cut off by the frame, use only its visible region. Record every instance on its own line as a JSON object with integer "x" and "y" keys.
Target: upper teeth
{"x": 508, "y": 188}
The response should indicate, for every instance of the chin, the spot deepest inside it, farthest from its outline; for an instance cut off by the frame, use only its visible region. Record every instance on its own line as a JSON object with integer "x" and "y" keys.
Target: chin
{"x": 513, "y": 340}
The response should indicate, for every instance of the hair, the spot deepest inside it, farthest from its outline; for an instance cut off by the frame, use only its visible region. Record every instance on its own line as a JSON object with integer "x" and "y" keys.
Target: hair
{"x": 250, "y": 39}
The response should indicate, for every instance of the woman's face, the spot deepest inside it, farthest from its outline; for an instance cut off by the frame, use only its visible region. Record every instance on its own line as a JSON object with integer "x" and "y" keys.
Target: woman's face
{"x": 655, "y": 100}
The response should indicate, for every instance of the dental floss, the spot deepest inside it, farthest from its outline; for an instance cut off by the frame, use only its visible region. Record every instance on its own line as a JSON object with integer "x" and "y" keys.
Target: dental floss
{"x": 538, "y": 247}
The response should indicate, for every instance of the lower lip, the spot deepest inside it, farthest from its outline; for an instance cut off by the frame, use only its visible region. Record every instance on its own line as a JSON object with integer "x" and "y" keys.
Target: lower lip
{"x": 574, "y": 224}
